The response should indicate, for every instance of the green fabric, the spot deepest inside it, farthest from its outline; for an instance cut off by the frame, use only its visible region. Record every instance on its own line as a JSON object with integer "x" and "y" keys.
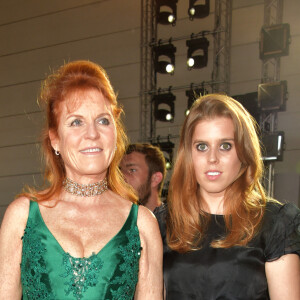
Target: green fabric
{"x": 47, "y": 272}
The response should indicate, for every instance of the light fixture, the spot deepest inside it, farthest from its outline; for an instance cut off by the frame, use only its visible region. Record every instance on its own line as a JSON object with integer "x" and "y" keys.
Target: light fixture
{"x": 168, "y": 164}
{"x": 166, "y": 12}
{"x": 250, "y": 102}
{"x": 198, "y": 10}
{"x": 197, "y": 54}
{"x": 164, "y": 58}
{"x": 274, "y": 41}
{"x": 272, "y": 96}
{"x": 167, "y": 149}
{"x": 193, "y": 94}
{"x": 164, "y": 107}
{"x": 273, "y": 146}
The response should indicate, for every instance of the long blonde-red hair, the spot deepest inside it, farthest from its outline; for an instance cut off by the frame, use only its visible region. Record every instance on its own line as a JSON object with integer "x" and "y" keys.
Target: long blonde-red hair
{"x": 244, "y": 199}
{"x": 77, "y": 76}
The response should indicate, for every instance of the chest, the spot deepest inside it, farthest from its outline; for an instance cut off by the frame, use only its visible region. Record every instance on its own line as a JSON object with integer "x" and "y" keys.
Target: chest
{"x": 49, "y": 272}
{"x": 81, "y": 232}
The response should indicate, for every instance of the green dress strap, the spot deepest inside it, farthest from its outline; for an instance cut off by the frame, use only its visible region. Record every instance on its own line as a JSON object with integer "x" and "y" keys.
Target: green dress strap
{"x": 48, "y": 272}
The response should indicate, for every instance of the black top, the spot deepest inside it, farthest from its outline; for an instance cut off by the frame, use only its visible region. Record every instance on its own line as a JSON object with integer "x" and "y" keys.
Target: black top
{"x": 234, "y": 273}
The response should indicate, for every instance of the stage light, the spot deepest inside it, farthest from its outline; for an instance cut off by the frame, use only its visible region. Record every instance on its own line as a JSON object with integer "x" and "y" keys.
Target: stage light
{"x": 190, "y": 62}
{"x": 168, "y": 164}
{"x": 274, "y": 41}
{"x": 164, "y": 58}
{"x": 273, "y": 146}
{"x": 164, "y": 107}
{"x": 193, "y": 94}
{"x": 198, "y": 10}
{"x": 272, "y": 96}
{"x": 197, "y": 54}
{"x": 250, "y": 102}
{"x": 167, "y": 149}
{"x": 170, "y": 68}
{"x": 166, "y": 12}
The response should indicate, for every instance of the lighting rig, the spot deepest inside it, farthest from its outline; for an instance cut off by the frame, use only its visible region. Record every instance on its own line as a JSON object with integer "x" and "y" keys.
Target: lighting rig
{"x": 164, "y": 106}
{"x": 193, "y": 94}
{"x": 274, "y": 41}
{"x": 167, "y": 148}
{"x": 164, "y": 58}
{"x": 272, "y": 96}
{"x": 198, "y": 10}
{"x": 166, "y": 12}
{"x": 272, "y": 146}
{"x": 197, "y": 54}
{"x": 156, "y": 13}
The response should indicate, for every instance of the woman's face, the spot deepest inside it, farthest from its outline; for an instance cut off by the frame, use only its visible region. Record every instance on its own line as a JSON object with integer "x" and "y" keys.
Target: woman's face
{"x": 214, "y": 156}
{"x": 86, "y": 135}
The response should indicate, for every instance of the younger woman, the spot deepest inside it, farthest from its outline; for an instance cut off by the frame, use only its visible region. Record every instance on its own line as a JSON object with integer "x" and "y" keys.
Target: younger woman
{"x": 223, "y": 239}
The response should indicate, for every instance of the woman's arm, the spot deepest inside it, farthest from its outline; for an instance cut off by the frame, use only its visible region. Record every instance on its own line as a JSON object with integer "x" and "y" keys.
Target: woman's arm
{"x": 150, "y": 284}
{"x": 11, "y": 232}
{"x": 283, "y": 276}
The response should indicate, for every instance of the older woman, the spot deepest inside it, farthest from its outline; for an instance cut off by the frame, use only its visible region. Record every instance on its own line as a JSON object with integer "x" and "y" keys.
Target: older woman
{"x": 223, "y": 239}
{"x": 83, "y": 237}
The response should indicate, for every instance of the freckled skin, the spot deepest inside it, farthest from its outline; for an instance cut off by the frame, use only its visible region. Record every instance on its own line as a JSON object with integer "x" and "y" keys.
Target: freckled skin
{"x": 89, "y": 125}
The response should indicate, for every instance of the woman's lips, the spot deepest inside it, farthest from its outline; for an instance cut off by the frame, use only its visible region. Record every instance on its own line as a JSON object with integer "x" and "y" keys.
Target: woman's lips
{"x": 94, "y": 150}
{"x": 213, "y": 175}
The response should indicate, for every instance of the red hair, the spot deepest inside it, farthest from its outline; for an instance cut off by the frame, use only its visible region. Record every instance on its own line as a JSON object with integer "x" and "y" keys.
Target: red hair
{"x": 244, "y": 199}
{"x": 78, "y": 76}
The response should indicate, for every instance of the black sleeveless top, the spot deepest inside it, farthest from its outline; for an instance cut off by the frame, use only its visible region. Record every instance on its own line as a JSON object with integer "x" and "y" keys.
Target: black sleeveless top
{"x": 237, "y": 273}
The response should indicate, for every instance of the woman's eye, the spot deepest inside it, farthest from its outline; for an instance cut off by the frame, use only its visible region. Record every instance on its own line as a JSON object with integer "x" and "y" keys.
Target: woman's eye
{"x": 201, "y": 147}
{"x": 104, "y": 121}
{"x": 76, "y": 122}
{"x": 226, "y": 146}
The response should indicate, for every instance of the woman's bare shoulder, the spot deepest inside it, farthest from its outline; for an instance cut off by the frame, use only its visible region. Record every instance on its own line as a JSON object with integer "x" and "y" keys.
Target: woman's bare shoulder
{"x": 16, "y": 214}
{"x": 19, "y": 205}
{"x": 146, "y": 222}
{"x": 146, "y": 214}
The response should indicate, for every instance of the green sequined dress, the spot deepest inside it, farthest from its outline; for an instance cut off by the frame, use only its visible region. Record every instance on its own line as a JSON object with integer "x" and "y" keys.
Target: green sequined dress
{"x": 48, "y": 272}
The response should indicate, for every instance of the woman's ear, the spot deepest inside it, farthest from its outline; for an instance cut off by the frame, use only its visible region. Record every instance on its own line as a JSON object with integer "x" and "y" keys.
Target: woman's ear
{"x": 54, "y": 140}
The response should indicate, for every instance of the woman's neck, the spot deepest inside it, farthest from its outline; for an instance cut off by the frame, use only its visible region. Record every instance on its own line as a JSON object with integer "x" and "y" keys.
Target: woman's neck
{"x": 85, "y": 190}
{"x": 212, "y": 203}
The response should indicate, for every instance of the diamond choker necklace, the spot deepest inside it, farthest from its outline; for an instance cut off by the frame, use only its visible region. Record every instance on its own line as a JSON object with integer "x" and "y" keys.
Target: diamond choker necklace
{"x": 85, "y": 190}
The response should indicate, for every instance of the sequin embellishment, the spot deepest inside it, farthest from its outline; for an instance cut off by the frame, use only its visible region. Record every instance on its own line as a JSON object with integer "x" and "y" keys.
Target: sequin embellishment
{"x": 83, "y": 272}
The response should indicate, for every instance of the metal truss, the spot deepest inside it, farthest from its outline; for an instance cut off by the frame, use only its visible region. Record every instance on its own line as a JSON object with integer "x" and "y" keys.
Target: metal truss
{"x": 222, "y": 46}
{"x": 221, "y": 60}
{"x": 273, "y": 14}
{"x": 147, "y": 78}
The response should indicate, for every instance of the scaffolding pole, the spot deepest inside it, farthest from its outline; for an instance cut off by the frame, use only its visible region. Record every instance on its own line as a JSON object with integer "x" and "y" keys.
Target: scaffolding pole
{"x": 222, "y": 46}
{"x": 148, "y": 35}
{"x": 273, "y": 14}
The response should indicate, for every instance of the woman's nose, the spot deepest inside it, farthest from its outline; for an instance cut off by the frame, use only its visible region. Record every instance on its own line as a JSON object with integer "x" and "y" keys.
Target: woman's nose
{"x": 213, "y": 156}
{"x": 92, "y": 131}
